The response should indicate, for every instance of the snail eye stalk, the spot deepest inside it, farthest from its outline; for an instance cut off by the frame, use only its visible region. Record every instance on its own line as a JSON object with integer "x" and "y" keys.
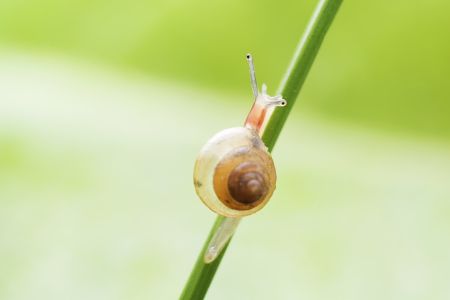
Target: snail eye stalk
{"x": 253, "y": 82}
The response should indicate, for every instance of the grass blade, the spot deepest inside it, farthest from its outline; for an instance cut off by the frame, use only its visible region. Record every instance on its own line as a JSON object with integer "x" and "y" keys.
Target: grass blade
{"x": 203, "y": 274}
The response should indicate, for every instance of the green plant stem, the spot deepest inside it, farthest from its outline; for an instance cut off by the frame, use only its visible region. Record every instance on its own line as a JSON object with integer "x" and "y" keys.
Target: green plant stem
{"x": 300, "y": 65}
{"x": 202, "y": 274}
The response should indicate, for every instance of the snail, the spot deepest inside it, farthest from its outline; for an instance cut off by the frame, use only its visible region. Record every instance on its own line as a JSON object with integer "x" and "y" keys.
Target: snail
{"x": 234, "y": 174}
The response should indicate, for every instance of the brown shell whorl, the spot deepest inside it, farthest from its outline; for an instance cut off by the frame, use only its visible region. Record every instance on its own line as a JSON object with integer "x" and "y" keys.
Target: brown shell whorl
{"x": 245, "y": 178}
{"x": 246, "y": 183}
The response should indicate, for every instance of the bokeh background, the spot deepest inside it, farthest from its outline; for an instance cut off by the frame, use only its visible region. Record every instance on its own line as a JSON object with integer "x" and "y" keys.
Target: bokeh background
{"x": 105, "y": 104}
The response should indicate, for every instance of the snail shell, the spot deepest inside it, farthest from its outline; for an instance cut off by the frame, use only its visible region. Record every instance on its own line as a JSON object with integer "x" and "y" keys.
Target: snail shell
{"x": 234, "y": 174}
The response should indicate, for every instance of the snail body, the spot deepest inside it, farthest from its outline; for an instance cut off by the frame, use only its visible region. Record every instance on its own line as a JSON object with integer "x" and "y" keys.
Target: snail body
{"x": 234, "y": 174}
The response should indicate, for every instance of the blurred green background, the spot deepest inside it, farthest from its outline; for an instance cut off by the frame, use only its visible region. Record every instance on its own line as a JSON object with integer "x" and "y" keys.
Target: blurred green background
{"x": 105, "y": 104}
